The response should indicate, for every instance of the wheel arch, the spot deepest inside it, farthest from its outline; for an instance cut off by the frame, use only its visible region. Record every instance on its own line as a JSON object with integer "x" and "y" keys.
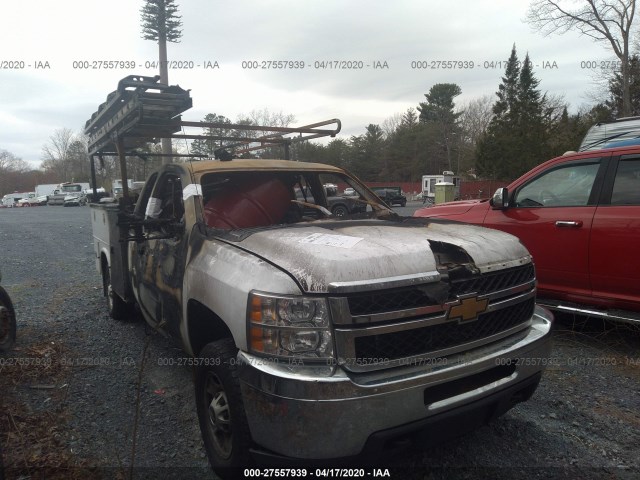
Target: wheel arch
{"x": 203, "y": 326}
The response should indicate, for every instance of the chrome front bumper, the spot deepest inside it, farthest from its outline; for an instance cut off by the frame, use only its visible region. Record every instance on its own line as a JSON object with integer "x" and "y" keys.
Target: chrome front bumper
{"x": 325, "y": 412}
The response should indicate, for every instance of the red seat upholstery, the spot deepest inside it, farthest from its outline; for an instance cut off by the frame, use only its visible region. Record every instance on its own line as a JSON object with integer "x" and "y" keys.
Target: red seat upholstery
{"x": 255, "y": 203}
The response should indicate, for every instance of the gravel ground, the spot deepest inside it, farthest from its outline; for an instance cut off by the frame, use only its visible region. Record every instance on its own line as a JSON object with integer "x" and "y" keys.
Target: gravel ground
{"x": 87, "y": 386}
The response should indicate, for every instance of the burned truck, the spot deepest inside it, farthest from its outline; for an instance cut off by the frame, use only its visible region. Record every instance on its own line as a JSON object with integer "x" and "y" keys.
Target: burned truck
{"x": 382, "y": 326}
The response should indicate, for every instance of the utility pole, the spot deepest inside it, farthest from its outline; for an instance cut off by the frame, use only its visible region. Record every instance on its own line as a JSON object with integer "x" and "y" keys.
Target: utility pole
{"x": 161, "y": 23}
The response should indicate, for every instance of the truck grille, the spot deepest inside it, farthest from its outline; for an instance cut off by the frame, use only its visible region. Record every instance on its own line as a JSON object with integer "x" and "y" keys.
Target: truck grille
{"x": 385, "y": 328}
{"x": 494, "y": 281}
{"x": 413, "y": 297}
{"x": 418, "y": 341}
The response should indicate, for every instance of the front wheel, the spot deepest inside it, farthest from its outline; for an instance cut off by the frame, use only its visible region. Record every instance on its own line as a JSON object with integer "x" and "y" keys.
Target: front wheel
{"x": 7, "y": 322}
{"x": 221, "y": 414}
{"x": 340, "y": 211}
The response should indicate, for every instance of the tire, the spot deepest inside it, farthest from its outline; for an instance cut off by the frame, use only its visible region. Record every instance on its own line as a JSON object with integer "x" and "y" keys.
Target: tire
{"x": 340, "y": 210}
{"x": 221, "y": 414}
{"x": 117, "y": 307}
{"x": 1, "y": 465}
{"x": 7, "y": 322}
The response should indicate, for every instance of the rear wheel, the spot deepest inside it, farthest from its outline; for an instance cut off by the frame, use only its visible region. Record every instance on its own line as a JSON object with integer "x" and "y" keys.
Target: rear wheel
{"x": 7, "y": 322}
{"x": 221, "y": 414}
{"x": 117, "y": 307}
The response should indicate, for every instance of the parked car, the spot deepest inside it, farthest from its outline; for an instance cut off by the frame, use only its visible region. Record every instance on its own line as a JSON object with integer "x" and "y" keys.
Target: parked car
{"x": 30, "y": 200}
{"x": 7, "y": 321}
{"x": 579, "y": 216}
{"x": 622, "y": 132}
{"x": 338, "y": 205}
{"x": 391, "y": 195}
{"x": 75, "y": 200}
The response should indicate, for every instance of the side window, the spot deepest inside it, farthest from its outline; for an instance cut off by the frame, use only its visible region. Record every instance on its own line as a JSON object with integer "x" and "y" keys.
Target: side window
{"x": 626, "y": 187}
{"x": 141, "y": 205}
{"x": 166, "y": 201}
{"x": 247, "y": 199}
{"x": 564, "y": 186}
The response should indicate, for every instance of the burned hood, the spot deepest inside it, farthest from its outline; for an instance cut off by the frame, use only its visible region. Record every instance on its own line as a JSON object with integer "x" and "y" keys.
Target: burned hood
{"x": 321, "y": 258}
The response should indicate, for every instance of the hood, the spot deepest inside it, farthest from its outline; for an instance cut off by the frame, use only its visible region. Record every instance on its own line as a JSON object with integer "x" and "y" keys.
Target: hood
{"x": 361, "y": 253}
{"x": 449, "y": 208}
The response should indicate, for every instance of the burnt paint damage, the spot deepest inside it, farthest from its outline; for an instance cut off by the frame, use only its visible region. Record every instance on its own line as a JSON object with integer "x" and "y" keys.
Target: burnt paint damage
{"x": 351, "y": 251}
{"x": 159, "y": 257}
{"x": 158, "y": 271}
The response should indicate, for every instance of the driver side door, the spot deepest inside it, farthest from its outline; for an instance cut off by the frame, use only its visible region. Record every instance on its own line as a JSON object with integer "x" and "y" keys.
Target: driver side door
{"x": 552, "y": 214}
{"x": 158, "y": 261}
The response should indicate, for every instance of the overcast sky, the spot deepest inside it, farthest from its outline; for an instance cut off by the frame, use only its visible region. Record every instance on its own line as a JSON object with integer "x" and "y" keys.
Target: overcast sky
{"x": 34, "y": 102}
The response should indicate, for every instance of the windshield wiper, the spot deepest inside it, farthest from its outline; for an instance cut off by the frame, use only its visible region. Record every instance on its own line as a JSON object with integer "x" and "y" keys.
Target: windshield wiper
{"x": 604, "y": 140}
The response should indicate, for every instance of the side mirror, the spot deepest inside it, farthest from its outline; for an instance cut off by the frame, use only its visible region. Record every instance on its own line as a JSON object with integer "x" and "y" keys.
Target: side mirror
{"x": 500, "y": 199}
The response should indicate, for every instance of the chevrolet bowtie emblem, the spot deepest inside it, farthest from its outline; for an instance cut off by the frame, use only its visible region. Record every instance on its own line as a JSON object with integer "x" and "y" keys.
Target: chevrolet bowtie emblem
{"x": 468, "y": 309}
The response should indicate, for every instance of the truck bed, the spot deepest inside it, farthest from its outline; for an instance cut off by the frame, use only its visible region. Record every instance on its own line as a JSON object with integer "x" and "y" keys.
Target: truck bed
{"x": 108, "y": 247}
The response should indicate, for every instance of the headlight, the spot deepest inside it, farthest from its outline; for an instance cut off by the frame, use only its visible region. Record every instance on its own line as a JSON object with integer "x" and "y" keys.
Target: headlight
{"x": 289, "y": 326}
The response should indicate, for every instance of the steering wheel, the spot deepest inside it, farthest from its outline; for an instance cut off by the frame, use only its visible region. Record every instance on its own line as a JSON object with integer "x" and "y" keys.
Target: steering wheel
{"x": 547, "y": 198}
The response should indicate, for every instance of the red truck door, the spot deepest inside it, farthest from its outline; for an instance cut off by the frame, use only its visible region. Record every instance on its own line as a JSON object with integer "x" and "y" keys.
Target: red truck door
{"x": 552, "y": 214}
{"x": 615, "y": 252}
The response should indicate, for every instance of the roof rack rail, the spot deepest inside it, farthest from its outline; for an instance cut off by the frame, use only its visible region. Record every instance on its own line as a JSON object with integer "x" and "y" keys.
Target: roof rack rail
{"x": 143, "y": 110}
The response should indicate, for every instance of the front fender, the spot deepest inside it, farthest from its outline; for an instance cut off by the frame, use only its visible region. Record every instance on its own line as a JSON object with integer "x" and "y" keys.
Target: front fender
{"x": 220, "y": 277}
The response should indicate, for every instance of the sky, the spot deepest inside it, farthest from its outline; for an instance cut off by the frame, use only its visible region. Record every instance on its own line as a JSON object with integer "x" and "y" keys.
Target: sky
{"x": 54, "y": 69}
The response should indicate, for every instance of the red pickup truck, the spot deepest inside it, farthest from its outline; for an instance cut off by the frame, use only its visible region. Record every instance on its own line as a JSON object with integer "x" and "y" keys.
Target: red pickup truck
{"x": 579, "y": 216}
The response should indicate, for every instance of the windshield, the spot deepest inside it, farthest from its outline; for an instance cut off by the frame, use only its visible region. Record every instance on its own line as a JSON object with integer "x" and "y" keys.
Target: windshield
{"x": 71, "y": 188}
{"x": 242, "y": 200}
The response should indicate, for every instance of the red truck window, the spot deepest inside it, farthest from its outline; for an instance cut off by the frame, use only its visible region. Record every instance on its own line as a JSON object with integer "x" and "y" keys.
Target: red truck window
{"x": 565, "y": 186}
{"x": 626, "y": 188}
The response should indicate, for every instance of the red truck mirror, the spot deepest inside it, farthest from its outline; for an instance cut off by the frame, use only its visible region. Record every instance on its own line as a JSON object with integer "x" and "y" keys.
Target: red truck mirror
{"x": 500, "y": 199}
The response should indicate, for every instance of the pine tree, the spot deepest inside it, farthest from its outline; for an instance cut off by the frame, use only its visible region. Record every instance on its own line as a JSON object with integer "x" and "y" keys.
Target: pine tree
{"x": 615, "y": 103}
{"x": 508, "y": 90}
{"x": 439, "y": 112}
{"x": 518, "y": 135}
{"x": 207, "y": 147}
{"x": 160, "y": 20}
{"x": 531, "y": 126}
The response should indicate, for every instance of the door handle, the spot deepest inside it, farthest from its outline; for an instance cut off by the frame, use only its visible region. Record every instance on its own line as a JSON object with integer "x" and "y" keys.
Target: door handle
{"x": 569, "y": 223}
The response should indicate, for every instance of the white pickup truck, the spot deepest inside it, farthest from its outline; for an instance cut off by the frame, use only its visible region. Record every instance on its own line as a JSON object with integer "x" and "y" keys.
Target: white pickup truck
{"x": 296, "y": 317}
{"x": 315, "y": 334}
{"x": 69, "y": 194}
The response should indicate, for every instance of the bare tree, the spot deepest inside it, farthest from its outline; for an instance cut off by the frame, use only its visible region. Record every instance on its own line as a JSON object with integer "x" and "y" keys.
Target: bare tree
{"x": 10, "y": 162}
{"x": 475, "y": 118}
{"x": 271, "y": 119}
{"x": 11, "y": 167}
{"x": 391, "y": 124}
{"x": 608, "y": 21}
{"x": 263, "y": 117}
{"x": 56, "y": 154}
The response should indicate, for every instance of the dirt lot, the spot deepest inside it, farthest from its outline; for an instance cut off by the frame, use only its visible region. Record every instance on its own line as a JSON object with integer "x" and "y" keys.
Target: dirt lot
{"x": 83, "y": 396}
